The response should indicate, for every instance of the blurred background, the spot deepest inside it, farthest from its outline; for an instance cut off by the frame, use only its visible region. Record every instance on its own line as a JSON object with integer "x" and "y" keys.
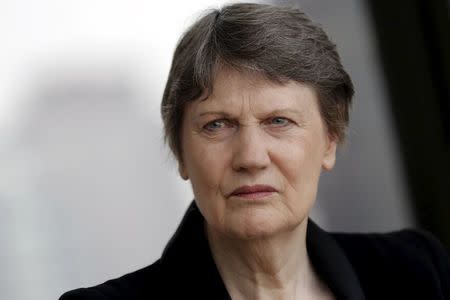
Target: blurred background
{"x": 88, "y": 191}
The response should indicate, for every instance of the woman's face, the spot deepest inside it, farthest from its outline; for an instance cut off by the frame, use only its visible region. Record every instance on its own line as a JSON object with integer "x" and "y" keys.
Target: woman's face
{"x": 253, "y": 152}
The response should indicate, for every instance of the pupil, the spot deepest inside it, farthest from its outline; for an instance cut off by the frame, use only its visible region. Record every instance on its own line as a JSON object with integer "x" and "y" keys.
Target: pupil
{"x": 215, "y": 124}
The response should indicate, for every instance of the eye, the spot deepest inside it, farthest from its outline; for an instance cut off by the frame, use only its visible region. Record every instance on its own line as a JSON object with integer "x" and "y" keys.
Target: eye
{"x": 279, "y": 121}
{"x": 216, "y": 125}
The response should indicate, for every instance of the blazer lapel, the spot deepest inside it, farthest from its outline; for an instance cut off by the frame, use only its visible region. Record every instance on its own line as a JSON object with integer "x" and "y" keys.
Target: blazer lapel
{"x": 189, "y": 264}
{"x": 330, "y": 262}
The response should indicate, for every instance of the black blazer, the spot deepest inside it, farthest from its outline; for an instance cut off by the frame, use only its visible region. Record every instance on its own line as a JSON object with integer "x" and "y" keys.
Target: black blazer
{"x": 405, "y": 264}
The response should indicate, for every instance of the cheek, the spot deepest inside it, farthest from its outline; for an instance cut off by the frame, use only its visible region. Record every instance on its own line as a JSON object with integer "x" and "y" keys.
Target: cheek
{"x": 300, "y": 164}
{"x": 205, "y": 164}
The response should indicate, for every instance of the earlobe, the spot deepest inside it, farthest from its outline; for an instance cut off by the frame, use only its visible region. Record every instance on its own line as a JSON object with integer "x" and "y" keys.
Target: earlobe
{"x": 182, "y": 171}
{"x": 329, "y": 158}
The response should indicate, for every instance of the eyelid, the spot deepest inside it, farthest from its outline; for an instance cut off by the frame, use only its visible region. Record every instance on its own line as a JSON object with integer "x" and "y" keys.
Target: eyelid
{"x": 289, "y": 121}
{"x": 226, "y": 121}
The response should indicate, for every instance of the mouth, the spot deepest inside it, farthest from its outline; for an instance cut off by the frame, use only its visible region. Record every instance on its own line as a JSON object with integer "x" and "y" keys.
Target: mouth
{"x": 253, "y": 191}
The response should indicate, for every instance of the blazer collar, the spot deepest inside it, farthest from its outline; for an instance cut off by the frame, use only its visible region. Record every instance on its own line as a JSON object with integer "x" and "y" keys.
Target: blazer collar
{"x": 331, "y": 263}
{"x": 187, "y": 256}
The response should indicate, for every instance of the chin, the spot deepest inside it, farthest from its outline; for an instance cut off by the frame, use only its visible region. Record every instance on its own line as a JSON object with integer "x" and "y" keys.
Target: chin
{"x": 251, "y": 224}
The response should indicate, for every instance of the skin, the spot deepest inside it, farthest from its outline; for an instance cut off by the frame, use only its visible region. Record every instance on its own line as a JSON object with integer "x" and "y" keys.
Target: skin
{"x": 252, "y": 131}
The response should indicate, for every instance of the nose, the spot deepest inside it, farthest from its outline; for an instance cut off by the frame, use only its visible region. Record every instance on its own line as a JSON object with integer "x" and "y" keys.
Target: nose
{"x": 250, "y": 150}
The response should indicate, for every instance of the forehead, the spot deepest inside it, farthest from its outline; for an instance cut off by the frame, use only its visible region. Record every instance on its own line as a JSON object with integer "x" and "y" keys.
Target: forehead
{"x": 232, "y": 89}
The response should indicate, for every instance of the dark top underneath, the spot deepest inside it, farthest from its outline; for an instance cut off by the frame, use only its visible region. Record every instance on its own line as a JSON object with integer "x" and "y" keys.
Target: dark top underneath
{"x": 407, "y": 264}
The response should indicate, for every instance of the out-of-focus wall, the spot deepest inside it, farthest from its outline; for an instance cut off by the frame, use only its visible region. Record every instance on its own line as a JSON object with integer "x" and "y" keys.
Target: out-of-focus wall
{"x": 88, "y": 192}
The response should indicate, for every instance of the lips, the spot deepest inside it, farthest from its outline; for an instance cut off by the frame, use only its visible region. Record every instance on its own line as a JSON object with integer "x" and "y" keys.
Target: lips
{"x": 248, "y": 190}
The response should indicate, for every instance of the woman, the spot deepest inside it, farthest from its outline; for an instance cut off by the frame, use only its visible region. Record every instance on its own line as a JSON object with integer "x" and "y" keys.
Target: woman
{"x": 255, "y": 106}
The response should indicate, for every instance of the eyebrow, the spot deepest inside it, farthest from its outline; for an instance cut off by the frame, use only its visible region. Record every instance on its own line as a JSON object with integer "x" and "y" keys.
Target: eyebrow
{"x": 217, "y": 113}
{"x": 271, "y": 113}
{"x": 285, "y": 110}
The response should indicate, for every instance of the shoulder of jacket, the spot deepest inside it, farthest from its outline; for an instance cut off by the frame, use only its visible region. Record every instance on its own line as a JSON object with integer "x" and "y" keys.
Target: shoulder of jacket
{"x": 83, "y": 294}
{"x": 407, "y": 241}
{"x": 405, "y": 257}
{"x": 134, "y": 285}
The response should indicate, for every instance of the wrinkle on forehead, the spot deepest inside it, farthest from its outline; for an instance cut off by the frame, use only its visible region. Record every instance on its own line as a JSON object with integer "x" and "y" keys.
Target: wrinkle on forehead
{"x": 238, "y": 92}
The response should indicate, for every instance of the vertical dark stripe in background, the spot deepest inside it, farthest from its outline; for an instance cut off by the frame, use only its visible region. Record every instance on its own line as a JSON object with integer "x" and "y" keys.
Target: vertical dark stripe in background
{"x": 414, "y": 43}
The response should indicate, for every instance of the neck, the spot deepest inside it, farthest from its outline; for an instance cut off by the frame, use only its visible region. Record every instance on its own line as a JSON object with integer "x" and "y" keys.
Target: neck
{"x": 277, "y": 267}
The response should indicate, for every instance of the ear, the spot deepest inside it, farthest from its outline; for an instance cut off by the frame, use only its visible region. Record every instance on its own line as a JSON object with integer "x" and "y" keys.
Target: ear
{"x": 182, "y": 171}
{"x": 329, "y": 156}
